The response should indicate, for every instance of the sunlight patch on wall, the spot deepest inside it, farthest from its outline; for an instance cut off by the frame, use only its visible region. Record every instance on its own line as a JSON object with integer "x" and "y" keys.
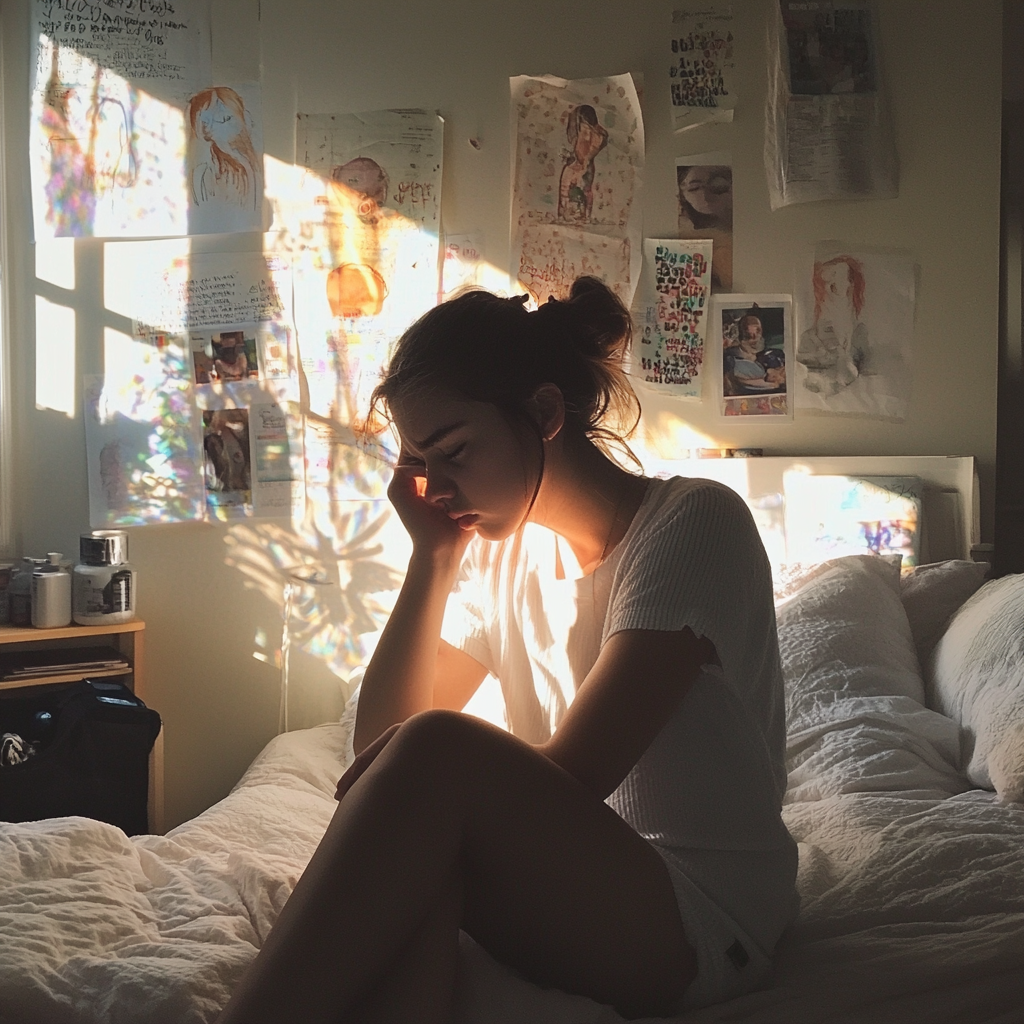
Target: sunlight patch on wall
{"x": 55, "y": 261}
{"x": 142, "y": 433}
{"x": 55, "y": 357}
{"x": 111, "y": 157}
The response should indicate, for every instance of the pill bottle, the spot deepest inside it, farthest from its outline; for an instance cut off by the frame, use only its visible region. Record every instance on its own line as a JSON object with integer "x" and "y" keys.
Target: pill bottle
{"x": 104, "y": 581}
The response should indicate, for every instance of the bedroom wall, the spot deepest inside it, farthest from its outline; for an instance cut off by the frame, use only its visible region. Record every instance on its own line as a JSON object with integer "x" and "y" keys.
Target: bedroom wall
{"x": 212, "y": 612}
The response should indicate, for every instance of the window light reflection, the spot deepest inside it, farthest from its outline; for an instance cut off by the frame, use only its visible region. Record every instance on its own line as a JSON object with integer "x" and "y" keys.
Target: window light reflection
{"x": 55, "y": 357}
{"x": 55, "y": 262}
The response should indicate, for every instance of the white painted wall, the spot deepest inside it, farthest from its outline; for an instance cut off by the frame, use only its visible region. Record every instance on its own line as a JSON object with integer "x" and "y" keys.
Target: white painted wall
{"x": 942, "y": 69}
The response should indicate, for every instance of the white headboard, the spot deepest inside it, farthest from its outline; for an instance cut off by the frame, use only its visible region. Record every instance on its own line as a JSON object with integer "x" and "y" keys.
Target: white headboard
{"x": 949, "y": 498}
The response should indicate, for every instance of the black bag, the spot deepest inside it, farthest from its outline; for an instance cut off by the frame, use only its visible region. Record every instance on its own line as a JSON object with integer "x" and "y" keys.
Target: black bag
{"x": 92, "y": 741}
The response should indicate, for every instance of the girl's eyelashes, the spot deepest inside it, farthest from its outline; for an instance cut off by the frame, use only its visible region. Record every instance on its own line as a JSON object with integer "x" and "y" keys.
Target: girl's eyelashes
{"x": 454, "y": 453}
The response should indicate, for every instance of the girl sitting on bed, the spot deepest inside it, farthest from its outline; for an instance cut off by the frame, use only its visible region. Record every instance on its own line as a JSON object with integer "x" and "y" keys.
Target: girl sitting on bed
{"x": 624, "y": 840}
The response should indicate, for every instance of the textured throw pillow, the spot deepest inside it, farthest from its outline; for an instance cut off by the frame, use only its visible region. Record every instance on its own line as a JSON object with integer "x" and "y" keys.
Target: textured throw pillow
{"x": 932, "y": 593}
{"x": 844, "y": 633}
{"x": 855, "y": 715}
{"x": 976, "y": 677}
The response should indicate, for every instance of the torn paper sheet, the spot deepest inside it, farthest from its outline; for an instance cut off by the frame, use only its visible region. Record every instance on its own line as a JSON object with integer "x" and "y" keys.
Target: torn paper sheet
{"x": 702, "y": 69}
{"x": 578, "y": 157}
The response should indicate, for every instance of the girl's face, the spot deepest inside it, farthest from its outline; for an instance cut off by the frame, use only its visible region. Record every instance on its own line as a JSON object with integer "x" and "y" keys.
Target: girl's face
{"x": 709, "y": 191}
{"x": 218, "y": 123}
{"x": 478, "y": 469}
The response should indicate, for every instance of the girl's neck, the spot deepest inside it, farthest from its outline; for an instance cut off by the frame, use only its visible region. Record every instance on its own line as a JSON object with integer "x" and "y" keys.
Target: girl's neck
{"x": 587, "y": 499}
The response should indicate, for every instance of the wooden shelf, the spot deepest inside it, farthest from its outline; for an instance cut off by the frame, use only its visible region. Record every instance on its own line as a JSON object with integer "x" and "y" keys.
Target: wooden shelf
{"x": 63, "y": 677}
{"x": 128, "y": 637}
{"x": 27, "y": 634}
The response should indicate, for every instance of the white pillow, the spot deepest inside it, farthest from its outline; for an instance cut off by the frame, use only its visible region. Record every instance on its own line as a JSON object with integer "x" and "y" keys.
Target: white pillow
{"x": 976, "y": 676}
{"x": 845, "y": 633}
{"x": 855, "y": 714}
{"x": 932, "y": 593}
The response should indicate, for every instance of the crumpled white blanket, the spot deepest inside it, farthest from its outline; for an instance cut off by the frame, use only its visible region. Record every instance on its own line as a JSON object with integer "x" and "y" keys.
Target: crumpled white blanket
{"x": 912, "y": 888}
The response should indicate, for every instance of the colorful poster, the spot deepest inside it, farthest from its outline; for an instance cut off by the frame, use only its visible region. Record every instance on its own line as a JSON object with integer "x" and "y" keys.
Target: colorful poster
{"x": 225, "y": 159}
{"x": 704, "y": 196}
{"x": 671, "y": 321}
{"x": 756, "y": 344}
{"x": 702, "y": 68}
{"x": 578, "y": 157}
{"x": 107, "y": 134}
{"x": 855, "y": 333}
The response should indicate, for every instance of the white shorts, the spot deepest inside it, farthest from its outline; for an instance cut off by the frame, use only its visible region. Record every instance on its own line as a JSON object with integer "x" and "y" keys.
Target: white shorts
{"x": 729, "y": 962}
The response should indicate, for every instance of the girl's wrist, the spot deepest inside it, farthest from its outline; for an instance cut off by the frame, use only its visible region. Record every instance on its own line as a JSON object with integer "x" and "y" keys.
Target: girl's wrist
{"x": 436, "y": 562}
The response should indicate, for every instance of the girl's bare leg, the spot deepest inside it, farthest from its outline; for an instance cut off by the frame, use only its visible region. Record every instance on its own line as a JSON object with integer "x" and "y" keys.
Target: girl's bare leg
{"x": 419, "y": 982}
{"x": 554, "y": 883}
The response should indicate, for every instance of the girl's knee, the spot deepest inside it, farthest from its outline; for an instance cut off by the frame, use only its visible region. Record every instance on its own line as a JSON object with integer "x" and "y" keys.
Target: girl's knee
{"x": 441, "y": 738}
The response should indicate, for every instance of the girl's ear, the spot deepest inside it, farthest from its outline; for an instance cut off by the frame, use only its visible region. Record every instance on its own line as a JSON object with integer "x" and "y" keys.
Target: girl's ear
{"x": 549, "y": 410}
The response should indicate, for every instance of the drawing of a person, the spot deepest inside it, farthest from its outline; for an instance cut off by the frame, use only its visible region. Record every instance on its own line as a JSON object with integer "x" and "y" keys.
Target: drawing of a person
{"x": 71, "y": 187}
{"x": 357, "y": 286}
{"x": 835, "y": 347}
{"x": 705, "y": 211}
{"x": 586, "y": 138}
{"x": 231, "y": 171}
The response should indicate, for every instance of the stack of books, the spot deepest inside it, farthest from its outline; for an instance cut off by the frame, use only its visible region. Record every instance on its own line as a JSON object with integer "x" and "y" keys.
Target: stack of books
{"x": 81, "y": 661}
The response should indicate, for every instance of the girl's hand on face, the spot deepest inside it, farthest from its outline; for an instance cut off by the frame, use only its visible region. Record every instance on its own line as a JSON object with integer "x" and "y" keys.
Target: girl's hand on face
{"x": 429, "y": 526}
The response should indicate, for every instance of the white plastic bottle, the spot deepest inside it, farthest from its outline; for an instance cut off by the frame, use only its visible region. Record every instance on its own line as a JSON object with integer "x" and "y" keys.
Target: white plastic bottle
{"x": 104, "y": 583}
{"x": 51, "y": 594}
{"x": 20, "y": 591}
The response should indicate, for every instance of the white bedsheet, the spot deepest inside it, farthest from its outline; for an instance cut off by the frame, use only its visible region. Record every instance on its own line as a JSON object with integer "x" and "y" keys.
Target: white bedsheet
{"x": 913, "y": 905}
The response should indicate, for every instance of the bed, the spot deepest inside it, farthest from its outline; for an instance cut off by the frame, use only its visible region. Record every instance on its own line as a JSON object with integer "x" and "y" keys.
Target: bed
{"x": 905, "y": 714}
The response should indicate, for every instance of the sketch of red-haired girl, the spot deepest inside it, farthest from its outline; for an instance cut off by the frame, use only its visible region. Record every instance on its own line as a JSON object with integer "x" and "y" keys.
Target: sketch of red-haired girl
{"x": 587, "y": 137}
{"x": 834, "y": 348}
{"x": 225, "y": 167}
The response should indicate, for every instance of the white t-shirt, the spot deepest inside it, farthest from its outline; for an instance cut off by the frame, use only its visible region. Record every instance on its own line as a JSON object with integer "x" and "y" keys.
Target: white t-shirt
{"x": 708, "y": 791}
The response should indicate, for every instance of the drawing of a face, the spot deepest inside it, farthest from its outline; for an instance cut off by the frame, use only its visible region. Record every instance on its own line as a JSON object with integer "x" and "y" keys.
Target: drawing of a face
{"x": 837, "y": 281}
{"x": 709, "y": 191}
{"x": 365, "y": 176}
{"x": 219, "y": 124}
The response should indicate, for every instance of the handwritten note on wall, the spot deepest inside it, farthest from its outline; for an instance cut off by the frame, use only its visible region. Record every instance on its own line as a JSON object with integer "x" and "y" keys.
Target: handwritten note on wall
{"x": 702, "y": 67}
{"x": 143, "y": 40}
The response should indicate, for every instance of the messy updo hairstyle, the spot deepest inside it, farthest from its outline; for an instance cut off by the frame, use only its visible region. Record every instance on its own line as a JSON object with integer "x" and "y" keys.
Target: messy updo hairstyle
{"x": 488, "y": 349}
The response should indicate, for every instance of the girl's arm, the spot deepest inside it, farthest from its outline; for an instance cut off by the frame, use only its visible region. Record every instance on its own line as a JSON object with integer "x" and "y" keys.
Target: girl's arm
{"x": 412, "y": 669}
{"x": 629, "y": 695}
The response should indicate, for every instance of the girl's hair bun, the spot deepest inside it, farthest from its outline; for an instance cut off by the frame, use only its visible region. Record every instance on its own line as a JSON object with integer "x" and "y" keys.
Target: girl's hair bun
{"x": 593, "y": 319}
{"x": 491, "y": 349}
